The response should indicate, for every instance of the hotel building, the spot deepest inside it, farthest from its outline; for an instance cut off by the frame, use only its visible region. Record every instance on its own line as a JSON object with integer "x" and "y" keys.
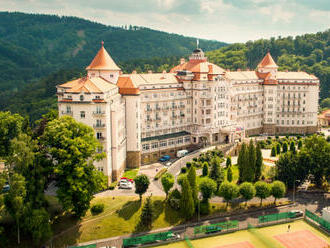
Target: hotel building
{"x": 140, "y": 117}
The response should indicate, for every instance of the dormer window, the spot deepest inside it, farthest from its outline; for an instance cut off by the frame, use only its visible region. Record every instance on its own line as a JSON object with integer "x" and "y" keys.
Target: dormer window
{"x": 81, "y": 97}
{"x": 69, "y": 97}
{"x": 111, "y": 75}
{"x": 97, "y": 97}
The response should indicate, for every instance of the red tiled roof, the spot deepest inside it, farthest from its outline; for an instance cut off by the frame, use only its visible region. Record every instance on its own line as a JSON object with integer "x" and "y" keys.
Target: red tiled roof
{"x": 267, "y": 61}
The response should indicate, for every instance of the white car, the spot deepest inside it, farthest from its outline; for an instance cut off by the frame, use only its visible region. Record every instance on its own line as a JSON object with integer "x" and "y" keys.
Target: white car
{"x": 124, "y": 184}
{"x": 168, "y": 164}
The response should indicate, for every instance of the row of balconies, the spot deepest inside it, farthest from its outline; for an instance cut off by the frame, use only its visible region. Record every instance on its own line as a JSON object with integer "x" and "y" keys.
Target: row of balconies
{"x": 96, "y": 113}
{"x": 166, "y": 108}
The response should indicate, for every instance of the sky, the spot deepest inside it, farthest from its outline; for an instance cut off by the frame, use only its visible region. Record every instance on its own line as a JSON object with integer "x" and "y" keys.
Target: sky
{"x": 223, "y": 20}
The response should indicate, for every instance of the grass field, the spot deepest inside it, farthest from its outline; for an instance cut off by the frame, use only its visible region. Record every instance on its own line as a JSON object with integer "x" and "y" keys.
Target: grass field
{"x": 259, "y": 238}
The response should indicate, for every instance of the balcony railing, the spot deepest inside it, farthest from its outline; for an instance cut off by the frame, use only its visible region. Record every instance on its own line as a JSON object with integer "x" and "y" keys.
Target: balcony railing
{"x": 98, "y": 112}
{"x": 67, "y": 113}
{"x": 102, "y": 125}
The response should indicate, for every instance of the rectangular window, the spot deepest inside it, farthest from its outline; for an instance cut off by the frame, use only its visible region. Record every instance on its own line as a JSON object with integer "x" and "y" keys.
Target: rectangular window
{"x": 82, "y": 114}
{"x": 154, "y": 145}
{"x": 99, "y": 135}
{"x": 163, "y": 143}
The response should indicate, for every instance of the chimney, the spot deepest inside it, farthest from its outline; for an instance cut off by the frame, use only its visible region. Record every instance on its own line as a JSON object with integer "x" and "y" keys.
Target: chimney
{"x": 182, "y": 61}
{"x": 134, "y": 72}
{"x": 150, "y": 71}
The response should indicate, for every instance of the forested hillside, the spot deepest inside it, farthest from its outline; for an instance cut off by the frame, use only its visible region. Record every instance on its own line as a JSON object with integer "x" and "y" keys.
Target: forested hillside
{"x": 309, "y": 52}
{"x": 33, "y": 46}
{"x": 50, "y": 50}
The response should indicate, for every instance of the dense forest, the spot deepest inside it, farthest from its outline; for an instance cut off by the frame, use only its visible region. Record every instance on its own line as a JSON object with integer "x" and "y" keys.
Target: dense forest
{"x": 32, "y": 46}
{"x": 45, "y": 53}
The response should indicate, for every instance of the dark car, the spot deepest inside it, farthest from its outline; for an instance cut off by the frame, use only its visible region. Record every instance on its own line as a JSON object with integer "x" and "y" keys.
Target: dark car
{"x": 297, "y": 213}
{"x": 165, "y": 158}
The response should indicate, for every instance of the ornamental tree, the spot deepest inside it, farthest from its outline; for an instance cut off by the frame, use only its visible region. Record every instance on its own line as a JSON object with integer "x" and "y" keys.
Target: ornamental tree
{"x": 228, "y": 162}
{"x": 259, "y": 160}
{"x": 146, "y": 214}
{"x": 262, "y": 190}
{"x": 205, "y": 171}
{"x": 207, "y": 187}
{"x": 277, "y": 190}
{"x": 141, "y": 185}
{"x": 187, "y": 205}
{"x": 228, "y": 191}
{"x": 229, "y": 174}
{"x": 167, "y": 182}
{"x": 193, "y": 183}
{"x": 247, "y": 191}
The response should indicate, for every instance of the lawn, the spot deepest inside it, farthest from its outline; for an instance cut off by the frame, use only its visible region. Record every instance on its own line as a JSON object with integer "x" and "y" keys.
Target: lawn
{"x": 121, "y": 216}
{"x": 258, "y": 238}
{"x": 131, "y": 173}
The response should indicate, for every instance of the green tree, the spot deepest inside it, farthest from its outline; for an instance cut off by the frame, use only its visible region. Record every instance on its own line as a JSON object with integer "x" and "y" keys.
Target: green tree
{"x": 207, "y": 187}
{"x": 262, "y": 190}
{"x": 242, "y": 162}
{"x": 249, "y": 171}
{"x": 14, "y": 199}
{"x": 229, "y": 174}
{"x": 277, "y": 190}
{"x": 141, "y": 184}
{"x": 228, "y": 162}
{"x": 71, "y": 145}
{"x": 216, "y": 172}
{"x": 205, "y": 169}
{"x": 259, "y": 160}
{"x": 187, "y": 205}
{"x": 278, "y": 148}
{"x": 273, "y": 152}
{"x": 247, "y": 191}
{"x": 292, "y": 147}
{"x": 10, "y": 127}
{"x": 319, "y": 151}
{"x": 147, "y": 214}
{"x": 37, "y": 223}
{"x": 228, "y": 191}
{"x": 193, "y": 183}
{"x": 300, "y": 144}
{"x": 167, "y": 182}
{"x": 285, "y": 147}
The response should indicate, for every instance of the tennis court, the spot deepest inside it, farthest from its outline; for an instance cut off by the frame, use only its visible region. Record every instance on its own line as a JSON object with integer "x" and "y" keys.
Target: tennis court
{"x": 259, "y": 237}
{"x": 301, "y": 239}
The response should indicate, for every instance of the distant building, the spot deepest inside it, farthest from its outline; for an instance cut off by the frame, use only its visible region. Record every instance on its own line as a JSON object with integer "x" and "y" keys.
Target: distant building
{"x": 324, "y": 118}
{"x": 140, "y": 117}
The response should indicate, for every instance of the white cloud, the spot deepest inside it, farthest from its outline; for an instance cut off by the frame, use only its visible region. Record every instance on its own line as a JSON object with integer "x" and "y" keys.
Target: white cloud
{"x": 277, "y": 13}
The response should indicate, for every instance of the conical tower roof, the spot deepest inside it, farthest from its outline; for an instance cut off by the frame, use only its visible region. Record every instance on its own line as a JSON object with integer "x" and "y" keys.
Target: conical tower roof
{"x": 103, "y": 61}
{"x": 267, "y": 62}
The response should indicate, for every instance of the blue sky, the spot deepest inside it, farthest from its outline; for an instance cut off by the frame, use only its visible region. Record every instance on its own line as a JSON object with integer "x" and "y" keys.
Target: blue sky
{"x": 224, "y": 20}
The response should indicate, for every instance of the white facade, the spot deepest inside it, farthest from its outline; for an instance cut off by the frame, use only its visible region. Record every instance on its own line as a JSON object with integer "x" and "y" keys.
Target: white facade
{"x": 140, "y": 117}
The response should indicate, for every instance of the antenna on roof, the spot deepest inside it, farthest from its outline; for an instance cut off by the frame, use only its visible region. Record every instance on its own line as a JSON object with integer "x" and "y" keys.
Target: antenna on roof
{"x": 197, "y": 43}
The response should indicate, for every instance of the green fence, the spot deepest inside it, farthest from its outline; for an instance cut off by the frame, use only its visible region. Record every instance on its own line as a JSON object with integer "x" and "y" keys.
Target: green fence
{"x": 276, "y": 217}
{"x": 216, "y": 227}
{"x": 322, "y": 222}
{"x": 85, "y": 246}
{"x": 150, "y": 238}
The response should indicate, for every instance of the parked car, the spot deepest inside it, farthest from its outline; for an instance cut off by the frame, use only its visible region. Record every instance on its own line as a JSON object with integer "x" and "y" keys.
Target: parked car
{"x": 125, "y": 184}
{"x": 165, "y": 158}
{"x": 6, "y": 188}
{"x": 298, "y": 213}
{"x": 168, "y": 164}
{"x": 181, "y": 153}
{"x": 128, "y": 179}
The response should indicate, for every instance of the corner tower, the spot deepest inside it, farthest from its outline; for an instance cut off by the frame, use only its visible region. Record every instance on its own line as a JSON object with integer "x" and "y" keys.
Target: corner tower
{"x": 104, "y": 66}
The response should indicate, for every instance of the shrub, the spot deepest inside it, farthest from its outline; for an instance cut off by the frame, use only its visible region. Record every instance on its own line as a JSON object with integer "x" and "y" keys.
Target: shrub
{"x": 273, "y": 152}
{"x": 278, "y": 148}
{"x": 188, "y": 165}
{"x": 205, "y": 169}
{"x": 160, "y": 173}
{"x": 97, "y": 208}
{"x": 113, "y": 185}
{"x": 195, "y": 159}
{"x": 183, "y": 170}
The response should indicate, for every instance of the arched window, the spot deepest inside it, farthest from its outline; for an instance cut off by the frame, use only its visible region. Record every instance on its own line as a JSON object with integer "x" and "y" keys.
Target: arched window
{"x": 81, "y": 97}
